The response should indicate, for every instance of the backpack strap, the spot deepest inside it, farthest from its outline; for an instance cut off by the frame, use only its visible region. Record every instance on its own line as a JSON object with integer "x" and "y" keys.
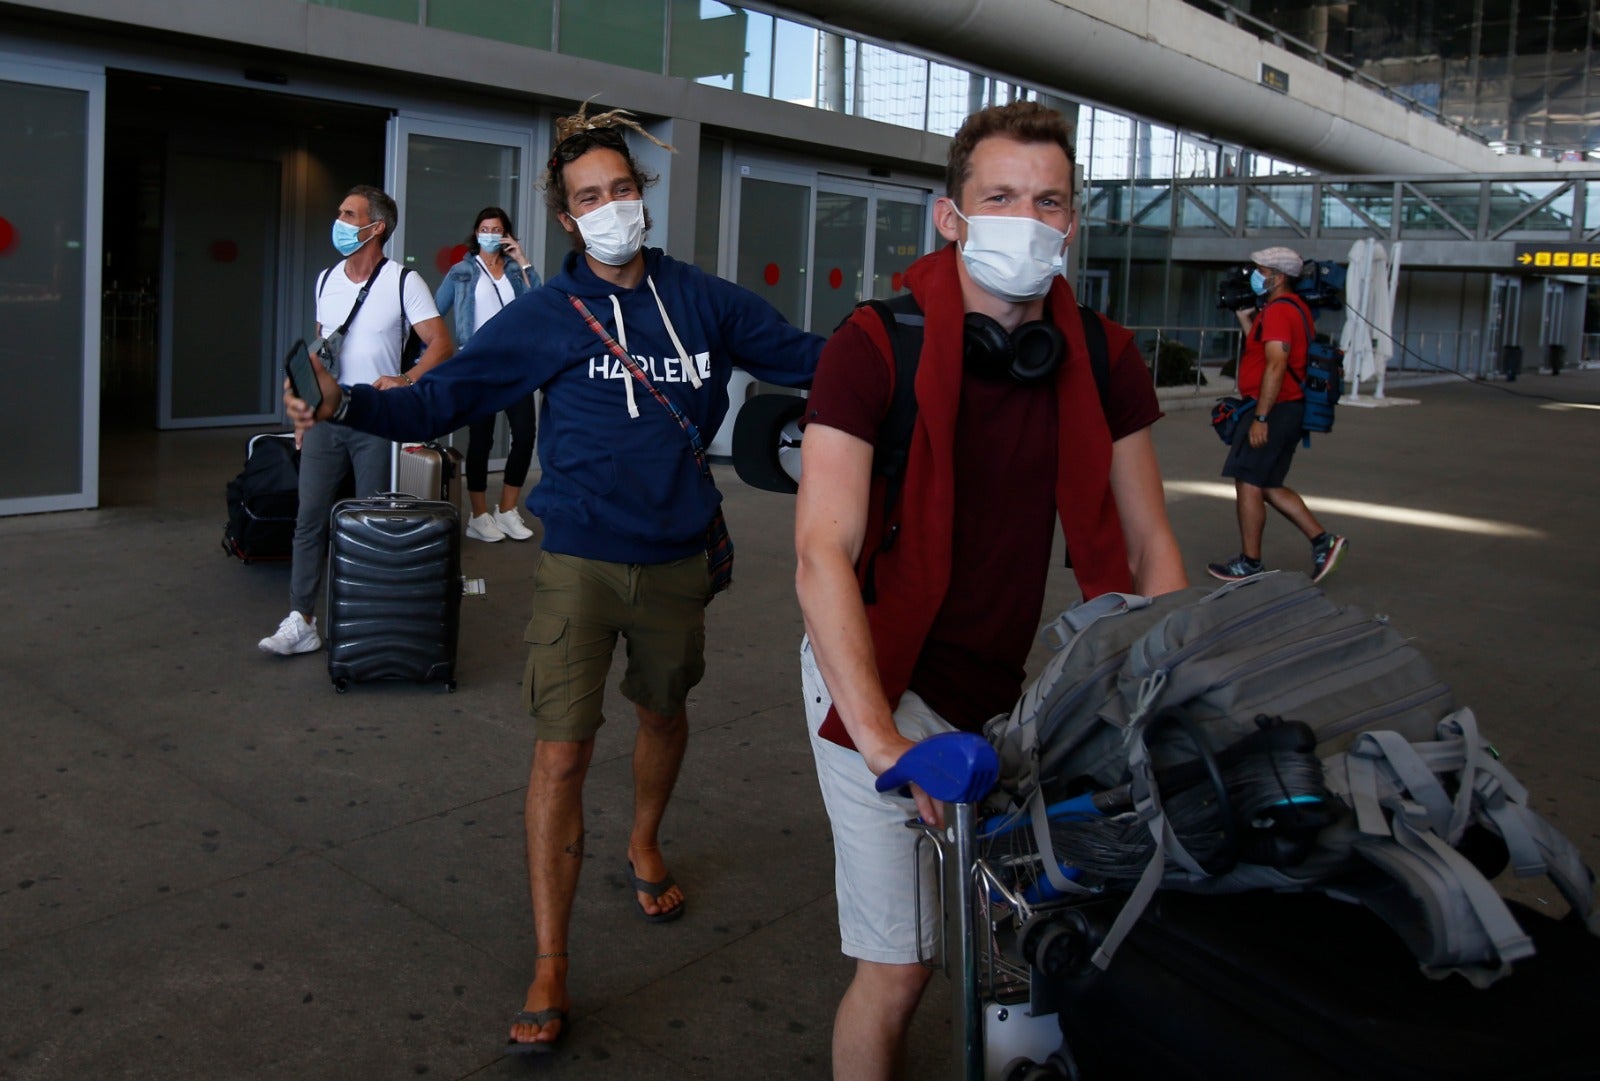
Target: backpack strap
{"x": 405, "y": 323}
{"x": 1454, "y": 919}
{"x": 902, "y": 320}
{"x": 1311, "y": 333}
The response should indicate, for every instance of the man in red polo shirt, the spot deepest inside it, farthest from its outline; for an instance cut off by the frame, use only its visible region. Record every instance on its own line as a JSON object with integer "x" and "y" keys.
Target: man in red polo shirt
{"x": 1272, "y": 371}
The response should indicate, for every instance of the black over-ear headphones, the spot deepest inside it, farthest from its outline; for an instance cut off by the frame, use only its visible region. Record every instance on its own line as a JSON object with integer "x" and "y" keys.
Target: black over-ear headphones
{"x": 1029, "y": 354}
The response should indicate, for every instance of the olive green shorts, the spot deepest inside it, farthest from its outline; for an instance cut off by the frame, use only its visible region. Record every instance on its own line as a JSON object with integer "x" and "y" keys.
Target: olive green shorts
{"x": 580, "y": 606}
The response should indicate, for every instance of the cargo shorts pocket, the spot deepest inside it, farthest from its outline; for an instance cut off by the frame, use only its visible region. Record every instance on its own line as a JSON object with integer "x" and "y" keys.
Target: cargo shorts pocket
{"x": 545, "y": 683}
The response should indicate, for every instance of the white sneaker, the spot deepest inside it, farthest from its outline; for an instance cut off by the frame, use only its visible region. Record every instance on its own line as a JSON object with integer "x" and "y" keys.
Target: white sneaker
{"x": 511, "y": 524}
{"x": 482, "y": 527}
{"x": 294, "y": 635}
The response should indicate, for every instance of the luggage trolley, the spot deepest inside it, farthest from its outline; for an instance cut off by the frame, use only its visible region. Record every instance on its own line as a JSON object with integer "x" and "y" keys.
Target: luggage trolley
{"x": 996, "y": 928}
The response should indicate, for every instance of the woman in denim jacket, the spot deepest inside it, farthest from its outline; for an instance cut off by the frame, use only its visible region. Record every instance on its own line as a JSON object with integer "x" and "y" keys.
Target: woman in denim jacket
{"x": 494, "y": 273}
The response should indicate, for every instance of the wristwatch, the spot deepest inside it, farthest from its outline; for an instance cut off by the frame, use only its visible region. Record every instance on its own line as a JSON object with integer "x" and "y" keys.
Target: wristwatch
{"x": 1262, "y": 417}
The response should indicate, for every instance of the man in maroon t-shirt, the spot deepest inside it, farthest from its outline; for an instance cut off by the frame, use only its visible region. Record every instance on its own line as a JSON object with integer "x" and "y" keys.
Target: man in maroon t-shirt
{"x": 1272, "y": 370}
{"x": 957, "y": 593}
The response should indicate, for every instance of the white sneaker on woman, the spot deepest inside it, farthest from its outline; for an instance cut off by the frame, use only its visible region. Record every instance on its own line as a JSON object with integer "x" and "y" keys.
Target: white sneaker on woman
{"x": 483, "y": 527}
{"x": 512, "y": 525}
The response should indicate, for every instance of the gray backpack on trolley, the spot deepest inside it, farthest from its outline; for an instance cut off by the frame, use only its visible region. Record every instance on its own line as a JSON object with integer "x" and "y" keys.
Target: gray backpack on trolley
{"x": 1261, "y": 736}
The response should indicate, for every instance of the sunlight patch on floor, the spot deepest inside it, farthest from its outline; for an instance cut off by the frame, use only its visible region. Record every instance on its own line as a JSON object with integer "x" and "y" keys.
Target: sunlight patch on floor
{"x": 1378, "y": 512}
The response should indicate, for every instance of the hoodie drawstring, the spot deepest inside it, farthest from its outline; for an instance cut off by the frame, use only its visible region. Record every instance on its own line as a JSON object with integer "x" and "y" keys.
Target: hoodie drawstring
{"x": 622, "y": 340}
{"x": 683, "y": 354}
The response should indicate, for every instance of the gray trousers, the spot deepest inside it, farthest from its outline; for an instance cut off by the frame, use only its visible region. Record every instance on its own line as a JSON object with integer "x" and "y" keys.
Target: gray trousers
{"x": 327, "y": 452}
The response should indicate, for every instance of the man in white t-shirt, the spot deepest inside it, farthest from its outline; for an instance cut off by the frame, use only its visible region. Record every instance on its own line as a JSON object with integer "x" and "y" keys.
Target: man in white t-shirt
{"x": 363, "y": 294}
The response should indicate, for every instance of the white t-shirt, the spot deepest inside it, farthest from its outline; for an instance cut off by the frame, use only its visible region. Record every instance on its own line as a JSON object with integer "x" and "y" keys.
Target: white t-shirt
{"x": 491, "y": 295}
{"x": 372, "y": 344}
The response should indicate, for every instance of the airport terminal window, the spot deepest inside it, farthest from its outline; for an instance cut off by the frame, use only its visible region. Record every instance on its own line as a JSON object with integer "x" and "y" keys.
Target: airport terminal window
{"x": 629, "y": 33}
{"x": 794, "y": 63}
{"x": 953, "y": 94}
{"x": 708, "y": 43}
{"x": 893, "y": 87}
{"x": 525, "y": 22}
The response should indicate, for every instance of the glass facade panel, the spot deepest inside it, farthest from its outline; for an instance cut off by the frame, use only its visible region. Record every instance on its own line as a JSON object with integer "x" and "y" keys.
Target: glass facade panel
{"x": 840, "y": 246}
{"x": 707, "y": 43}
{"x": 1358, "y": 206}
{"x": 1222, "y": 200}
{"x": 518, "y": 22}
{"x": 794, "y": 69}
{"x": 1438, "y": 207}
{"x": 405, "y": 10}
{"x": 893, "y": 86}
{"x": 1279, "y": 206}
{"x": 774, "y": 219}
{"x": 629, "y": 33}
{"x": 953, "y": 94}
{"x": 1508, "y": 202}
{"x": 43, "y": 190}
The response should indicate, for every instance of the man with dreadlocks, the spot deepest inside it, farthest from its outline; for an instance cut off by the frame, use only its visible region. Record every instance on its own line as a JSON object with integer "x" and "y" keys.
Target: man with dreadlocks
{"x": 632, "y": 350}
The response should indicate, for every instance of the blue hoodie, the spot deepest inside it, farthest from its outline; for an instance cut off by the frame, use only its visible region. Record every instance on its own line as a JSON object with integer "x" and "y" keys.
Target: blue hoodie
{"x": 614, "y": 486}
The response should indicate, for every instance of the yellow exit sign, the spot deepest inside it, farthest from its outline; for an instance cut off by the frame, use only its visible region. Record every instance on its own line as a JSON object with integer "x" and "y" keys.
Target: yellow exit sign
{"x": 1582, "y": 258}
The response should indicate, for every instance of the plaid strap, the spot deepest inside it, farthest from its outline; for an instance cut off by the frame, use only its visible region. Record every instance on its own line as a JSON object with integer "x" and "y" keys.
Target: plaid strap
{"x": 638, "y": 373}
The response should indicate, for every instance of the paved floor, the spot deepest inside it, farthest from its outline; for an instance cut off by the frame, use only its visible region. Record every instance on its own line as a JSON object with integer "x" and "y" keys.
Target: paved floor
{"x": 211, "y": 866}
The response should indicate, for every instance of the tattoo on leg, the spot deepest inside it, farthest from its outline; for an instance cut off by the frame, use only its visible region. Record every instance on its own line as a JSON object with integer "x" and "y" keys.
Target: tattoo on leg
{"x": 575, "y": 849}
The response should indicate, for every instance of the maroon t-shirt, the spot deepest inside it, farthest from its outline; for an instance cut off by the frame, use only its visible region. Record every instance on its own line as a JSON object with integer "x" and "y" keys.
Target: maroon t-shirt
{"x": 971, "y": 666}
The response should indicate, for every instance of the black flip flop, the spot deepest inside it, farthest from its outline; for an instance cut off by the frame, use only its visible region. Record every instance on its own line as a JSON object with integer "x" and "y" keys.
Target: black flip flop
{"x": 541, "y": 1018}
{"x": 655, "y": 890}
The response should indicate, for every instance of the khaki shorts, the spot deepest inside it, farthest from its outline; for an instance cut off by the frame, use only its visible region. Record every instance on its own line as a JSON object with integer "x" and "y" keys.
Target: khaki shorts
{"x": 875, "y": 863}
{"x": 580, "y": 606}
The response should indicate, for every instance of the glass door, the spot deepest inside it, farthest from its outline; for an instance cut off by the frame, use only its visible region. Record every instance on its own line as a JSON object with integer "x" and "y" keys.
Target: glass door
{"x": 441, "y": 174}
{"x": 52, "y": 137}
{"x": 220, "y": 249}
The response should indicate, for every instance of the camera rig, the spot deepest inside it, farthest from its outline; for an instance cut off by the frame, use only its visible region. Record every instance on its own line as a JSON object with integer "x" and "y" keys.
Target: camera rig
{"x": 1320, "y": 285}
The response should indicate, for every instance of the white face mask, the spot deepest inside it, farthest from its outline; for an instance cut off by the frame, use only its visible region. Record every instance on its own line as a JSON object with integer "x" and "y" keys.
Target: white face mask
{"x": 1013, "y": 258}
{"x": 489, "y": 241}
{"x": 614, "y": 233}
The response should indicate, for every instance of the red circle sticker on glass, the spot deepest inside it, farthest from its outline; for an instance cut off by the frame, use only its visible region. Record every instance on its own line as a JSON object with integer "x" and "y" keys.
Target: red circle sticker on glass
{"x": 770, "y": 274}
{"x": 835, "y": 277}
{"x": 8, "y": 236}
{"x": 897, "y": 281}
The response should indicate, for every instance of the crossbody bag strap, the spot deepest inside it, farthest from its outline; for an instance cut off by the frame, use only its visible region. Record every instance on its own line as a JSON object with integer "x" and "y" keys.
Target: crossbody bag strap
{"x": 361, "y": 297}
{"x": 638, "y": 373}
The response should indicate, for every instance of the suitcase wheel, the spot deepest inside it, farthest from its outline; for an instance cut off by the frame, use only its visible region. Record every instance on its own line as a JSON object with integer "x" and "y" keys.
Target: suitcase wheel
{"x": 341, "y": 685}
{"x": 450, "y": 687}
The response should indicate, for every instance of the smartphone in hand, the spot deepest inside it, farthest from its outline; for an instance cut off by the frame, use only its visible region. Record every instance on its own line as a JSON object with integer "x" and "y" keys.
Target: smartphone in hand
{"x": 302, "y": 379}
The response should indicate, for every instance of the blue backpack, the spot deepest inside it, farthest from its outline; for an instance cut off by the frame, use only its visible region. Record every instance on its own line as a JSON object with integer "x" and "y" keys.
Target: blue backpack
{"x": 1324, "y": 380}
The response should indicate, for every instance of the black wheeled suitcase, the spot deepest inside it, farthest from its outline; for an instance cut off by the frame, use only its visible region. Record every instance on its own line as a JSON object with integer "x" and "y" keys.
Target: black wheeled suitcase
{"x": 264, "y": 499}
{"x": 1253, "y": 986}
{"x": 394, "y": 590}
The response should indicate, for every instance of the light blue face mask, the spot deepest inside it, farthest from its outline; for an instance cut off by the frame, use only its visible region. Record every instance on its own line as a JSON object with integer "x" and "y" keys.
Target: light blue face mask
{"x": 489, "y": 241}
{"x": 1258, "y": 283}
{"x": 347, "y": 237}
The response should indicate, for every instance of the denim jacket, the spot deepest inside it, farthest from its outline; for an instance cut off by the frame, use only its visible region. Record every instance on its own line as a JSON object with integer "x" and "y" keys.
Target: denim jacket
{"x": 459, "y": 292}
